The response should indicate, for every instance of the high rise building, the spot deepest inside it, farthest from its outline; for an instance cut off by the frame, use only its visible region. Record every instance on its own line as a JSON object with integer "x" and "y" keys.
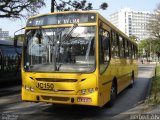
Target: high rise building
{"x": 132, "y": 22}
{"x": 4, "y": 34}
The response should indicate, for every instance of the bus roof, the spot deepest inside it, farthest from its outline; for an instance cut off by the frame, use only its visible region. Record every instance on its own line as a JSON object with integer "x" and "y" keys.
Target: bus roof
{"x": 91, "y": 11}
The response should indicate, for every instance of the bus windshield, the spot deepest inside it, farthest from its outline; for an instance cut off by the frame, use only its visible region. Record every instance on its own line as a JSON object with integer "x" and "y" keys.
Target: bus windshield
{"x": 67, "y": 49}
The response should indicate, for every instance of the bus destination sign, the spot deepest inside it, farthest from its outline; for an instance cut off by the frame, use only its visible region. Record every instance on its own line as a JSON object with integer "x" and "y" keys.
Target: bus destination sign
{"x": 62, "y": 19}
{"x": 68, "y": 21}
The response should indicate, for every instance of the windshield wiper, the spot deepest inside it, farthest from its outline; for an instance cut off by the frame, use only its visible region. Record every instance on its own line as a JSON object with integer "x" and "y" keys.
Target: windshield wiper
{"x": 68, "y": 35}
{"x": 57, "y": 44}
{"x": 63, "y": 39}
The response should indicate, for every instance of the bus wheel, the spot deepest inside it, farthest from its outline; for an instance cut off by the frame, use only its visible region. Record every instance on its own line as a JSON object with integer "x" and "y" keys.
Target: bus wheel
{"x": 112, "y": 94}
{"x": 132, "y": 81}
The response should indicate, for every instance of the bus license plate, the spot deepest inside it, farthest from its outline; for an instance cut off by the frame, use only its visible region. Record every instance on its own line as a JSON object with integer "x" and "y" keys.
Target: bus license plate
{"x": 45, "y": 86}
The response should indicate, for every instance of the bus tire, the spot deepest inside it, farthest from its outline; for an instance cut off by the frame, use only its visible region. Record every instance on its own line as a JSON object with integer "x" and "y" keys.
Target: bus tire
{"x": 132, "y": 81}
{"x": 112, "y": 94}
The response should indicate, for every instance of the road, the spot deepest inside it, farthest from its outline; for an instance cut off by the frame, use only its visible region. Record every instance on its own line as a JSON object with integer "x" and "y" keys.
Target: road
{"x": 11, "y": 105}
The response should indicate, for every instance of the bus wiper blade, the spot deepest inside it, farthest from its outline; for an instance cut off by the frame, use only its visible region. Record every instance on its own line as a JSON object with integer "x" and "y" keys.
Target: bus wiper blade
{"x": 68, "y": 35}
{"x": 65, "y": 37}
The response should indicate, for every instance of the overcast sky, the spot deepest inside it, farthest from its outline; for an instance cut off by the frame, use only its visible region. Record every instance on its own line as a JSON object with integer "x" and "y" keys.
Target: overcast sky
{"x": 114, "y": 5}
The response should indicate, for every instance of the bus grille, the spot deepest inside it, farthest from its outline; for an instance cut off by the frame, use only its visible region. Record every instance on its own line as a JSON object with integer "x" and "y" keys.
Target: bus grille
{"x": 58, "y": 90}
{"x": 55, "y": 98}
{"x": 56, "y": 80}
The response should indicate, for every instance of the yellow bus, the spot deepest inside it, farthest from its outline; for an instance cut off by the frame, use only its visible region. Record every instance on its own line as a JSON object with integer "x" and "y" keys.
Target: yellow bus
{"x": 76, "y": 57}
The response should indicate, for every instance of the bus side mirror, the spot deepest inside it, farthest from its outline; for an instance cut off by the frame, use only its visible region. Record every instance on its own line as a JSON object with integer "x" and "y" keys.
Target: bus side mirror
{"x": 16, "y": 37}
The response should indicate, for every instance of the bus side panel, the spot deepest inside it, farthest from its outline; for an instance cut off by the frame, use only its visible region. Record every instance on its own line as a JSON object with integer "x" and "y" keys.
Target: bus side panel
{"x": 106, "y": 82}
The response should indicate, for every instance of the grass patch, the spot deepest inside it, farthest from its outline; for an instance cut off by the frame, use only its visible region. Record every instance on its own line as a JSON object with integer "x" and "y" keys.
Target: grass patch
{"x": 154, "y": 98}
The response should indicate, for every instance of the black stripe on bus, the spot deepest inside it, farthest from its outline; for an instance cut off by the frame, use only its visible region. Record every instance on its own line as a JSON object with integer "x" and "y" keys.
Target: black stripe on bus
{"x": 107, "y": 82}
{"x": 125, "y": 75}
{"x": 117, "y": 78}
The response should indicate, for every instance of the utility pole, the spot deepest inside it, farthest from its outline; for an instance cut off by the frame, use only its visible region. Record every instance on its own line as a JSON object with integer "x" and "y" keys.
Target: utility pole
{"x": 53, "y": 5}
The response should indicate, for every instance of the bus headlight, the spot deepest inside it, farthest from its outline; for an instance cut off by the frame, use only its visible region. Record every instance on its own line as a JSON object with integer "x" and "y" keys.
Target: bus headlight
{"x": 31, "y": 89}
{"x": 91, "y": 90}
{"x": 26, "y": 87}
{"x": 83, "y": 91}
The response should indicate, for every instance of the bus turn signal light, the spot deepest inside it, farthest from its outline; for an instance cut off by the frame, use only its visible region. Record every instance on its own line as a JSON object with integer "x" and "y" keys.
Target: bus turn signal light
{"x": 83, "y": 91}
{"x": 91, "y": 90}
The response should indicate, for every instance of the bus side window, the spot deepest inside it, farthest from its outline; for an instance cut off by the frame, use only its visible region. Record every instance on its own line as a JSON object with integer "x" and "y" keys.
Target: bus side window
{"x": 133, "y": 54}
{"x": 104, "y": 49}
{"x": 136, "y": 52}
{"x": 121, "y": 47}
{"x": 126, "y": 49}
{"x": 130, "y": 49}
{"x": 106, "y": 45}
{"x": 115, "y": 45}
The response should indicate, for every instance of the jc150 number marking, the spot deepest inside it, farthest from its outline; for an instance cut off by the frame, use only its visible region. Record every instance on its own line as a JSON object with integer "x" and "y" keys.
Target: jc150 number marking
{"x": 45, "y": 86}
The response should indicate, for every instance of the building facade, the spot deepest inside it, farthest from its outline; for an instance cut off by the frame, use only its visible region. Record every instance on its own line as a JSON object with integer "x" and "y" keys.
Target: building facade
{"x": 4, "y": 34}
{"x": 132, "y": 23}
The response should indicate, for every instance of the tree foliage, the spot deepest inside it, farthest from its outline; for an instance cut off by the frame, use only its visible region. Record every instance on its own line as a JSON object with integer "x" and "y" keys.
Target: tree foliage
{"x": 77, "y": 5}
{"x": 154, "y": 25}
{"x": 14, "y": 8}
{"x": 134, "y": 38}
{"x": 149, "y": 45}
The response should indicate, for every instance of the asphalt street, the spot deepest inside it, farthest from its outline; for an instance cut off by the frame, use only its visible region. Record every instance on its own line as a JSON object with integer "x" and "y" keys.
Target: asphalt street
{"x": 11, "y": 105}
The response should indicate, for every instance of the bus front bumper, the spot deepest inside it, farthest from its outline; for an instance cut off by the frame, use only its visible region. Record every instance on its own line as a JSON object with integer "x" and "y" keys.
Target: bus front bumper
{"x": 88, "y": 99}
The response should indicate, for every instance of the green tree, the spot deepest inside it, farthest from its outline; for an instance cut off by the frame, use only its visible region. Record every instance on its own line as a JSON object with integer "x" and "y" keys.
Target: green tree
{"x": 153, "y": 44}
{"x": 154, "y": 24}
{"x": 17, "y": 8}
{"x": 134, "y": 38}
{"x": 149, "y": 47}
{"x": 75, "y": 5}
{"x": 143, "y": 48}
{"x": 156, "y": 47}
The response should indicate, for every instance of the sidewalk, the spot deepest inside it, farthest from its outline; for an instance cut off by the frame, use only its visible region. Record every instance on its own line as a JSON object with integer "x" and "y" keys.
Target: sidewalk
{"x": 140, "y": 112}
